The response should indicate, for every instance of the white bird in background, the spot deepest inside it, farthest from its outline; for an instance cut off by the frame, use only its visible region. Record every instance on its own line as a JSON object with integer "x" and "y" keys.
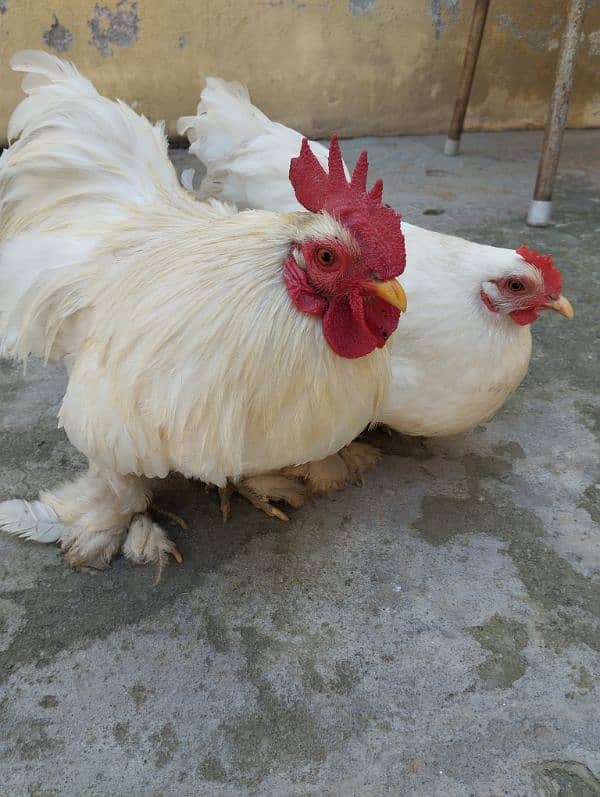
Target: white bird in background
{"x": 199, "y": 340}
{"x": 464, "y": 344}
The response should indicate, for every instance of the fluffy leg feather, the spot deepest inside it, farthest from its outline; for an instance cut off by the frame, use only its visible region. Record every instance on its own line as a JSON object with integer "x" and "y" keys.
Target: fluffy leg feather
{"x": 96, "y": 510}
{"x": 147, "y": 543}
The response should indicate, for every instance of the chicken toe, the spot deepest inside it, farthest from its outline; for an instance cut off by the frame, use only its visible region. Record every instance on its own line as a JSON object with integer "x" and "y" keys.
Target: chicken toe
{"x": 338, "y": 470}
{"x": 147, "y": 543}
{"x": 261, "y": 490}
{"x": 359, "y": 458}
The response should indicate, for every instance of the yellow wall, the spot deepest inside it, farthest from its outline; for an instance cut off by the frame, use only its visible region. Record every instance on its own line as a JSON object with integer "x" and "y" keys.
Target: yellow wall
{"x": 353, "y": 66}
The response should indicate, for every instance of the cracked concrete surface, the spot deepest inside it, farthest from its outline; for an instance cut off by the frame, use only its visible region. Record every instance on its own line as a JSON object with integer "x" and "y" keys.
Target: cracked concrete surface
{"x": 435, "y": 633}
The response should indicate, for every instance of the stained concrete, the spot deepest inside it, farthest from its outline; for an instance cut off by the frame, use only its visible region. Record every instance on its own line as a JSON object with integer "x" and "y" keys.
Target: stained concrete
{"x": 435, "y": 633}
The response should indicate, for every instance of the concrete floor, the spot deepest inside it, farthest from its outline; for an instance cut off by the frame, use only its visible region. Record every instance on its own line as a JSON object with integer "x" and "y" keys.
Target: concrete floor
{"x": 435, "y": 633}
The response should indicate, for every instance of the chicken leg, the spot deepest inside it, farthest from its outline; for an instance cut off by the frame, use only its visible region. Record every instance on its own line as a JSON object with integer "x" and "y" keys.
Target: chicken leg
{"x": 93, "y": 517}
{"x": 297, "y": 484}
{"x": 261, "y": 490}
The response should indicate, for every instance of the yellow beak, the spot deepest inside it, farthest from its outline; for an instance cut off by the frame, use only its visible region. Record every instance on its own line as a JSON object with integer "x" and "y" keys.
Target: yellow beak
{"x": 562, "y": 306}
{"x": 391, "y": 292}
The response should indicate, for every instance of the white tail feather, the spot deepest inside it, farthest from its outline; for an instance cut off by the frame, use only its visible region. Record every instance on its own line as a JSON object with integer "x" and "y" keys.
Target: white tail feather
{"x": 80, "y": 163}
{"x": 31, "y": 520}
{"x": 247, "y": 156}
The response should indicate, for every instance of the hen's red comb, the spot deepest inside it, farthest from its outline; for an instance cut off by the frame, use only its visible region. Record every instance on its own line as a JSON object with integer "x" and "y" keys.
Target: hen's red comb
{"x": 375, "y": 225}
{"x": 552, "y": 276}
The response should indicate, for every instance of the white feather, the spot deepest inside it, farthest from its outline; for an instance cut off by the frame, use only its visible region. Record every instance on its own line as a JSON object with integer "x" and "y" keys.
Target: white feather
{"x": 31, "y": 520}
{"x": 246, "y": 154}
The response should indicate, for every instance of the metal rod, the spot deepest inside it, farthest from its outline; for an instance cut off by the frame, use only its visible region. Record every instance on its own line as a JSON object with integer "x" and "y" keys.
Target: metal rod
{"x": 466, "y": 79}
{"x": 541, "y": 206}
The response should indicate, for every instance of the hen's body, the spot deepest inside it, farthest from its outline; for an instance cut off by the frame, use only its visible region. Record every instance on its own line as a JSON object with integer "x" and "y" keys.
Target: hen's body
{"x": 184, "y": 349}
{"x": 454, "y": 363}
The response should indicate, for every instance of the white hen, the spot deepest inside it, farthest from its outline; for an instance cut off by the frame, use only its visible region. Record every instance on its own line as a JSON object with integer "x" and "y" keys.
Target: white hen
{"x": 464, "y": 344}
{"x": 198, "y": 340}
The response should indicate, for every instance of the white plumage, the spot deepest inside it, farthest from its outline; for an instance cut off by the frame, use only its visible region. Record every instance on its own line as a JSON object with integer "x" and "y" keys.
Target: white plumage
{"x": 184, "y": 349}
{"x": 454, "y": 363}
{"x": 31, "y": 520}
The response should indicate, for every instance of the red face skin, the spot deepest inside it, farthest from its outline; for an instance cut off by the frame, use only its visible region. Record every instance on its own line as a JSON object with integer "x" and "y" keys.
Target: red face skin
{"x": 337, "y": 286}
{"x": 522, "y": 297}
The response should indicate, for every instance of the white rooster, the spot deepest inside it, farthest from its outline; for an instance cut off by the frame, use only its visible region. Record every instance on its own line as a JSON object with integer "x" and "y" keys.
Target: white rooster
{"x": 464, "y": 344}
{"x": 199, "y": 340}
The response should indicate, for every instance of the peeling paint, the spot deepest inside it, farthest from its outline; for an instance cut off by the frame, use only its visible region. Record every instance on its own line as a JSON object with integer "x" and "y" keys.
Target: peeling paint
{"x": 58, "y": 36}
{"x": 359, "y": 7}
{"x": 119, "y": 27}
{"x": 436, "y": 8}
{"x": 182, "y": 41}
{"x": 3, "y": 6}
{"x": 594, "y": 42}
{"x": 537, "y": 39}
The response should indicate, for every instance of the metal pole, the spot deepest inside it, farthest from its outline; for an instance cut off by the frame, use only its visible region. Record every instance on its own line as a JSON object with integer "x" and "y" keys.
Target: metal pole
{"x": 466, "y": 80}
{"x": 541, "y": 205}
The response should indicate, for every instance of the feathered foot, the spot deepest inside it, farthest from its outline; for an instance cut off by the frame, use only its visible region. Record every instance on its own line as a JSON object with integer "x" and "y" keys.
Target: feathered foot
{"x": 89, "y": 516}
{"x": 86, "y": 548}
{"x": 38, "y": 521}
{"x": 338, "y": 470}
{"x": 94, "y": 518}
{"x": 296, "y": 485}
{"x": 147, "y": 543}
{"x": 261, "y": 490}
{"x": 359, "y": 458}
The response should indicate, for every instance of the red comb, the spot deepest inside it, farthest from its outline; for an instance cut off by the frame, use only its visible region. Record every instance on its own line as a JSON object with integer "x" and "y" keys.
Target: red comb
{"x": 552, "y": 276}
{"x": 376, "y": 226}
{"x": 316, "y": 190}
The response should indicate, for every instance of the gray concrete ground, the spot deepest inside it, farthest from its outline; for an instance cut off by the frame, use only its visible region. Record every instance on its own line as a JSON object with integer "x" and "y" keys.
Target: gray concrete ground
{"x": 435, "y": 633}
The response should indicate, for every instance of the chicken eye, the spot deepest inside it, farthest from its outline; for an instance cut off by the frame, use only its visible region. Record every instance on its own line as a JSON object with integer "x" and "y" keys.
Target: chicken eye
{"x": 325, "y": 257}
{"x": 516, "y": 286}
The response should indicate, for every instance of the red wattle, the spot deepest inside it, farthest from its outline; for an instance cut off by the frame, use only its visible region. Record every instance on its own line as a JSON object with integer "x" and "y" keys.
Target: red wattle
{"x": 355, "y": 325}
{"x": 524, "y": 317}
{"x": 345, "y": 329}
{"x": 382, "y": 318}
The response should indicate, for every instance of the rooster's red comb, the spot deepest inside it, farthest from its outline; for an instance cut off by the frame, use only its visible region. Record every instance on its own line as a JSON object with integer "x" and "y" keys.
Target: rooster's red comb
{"x": 544, "y": 263}
{"x": 316, "y": 190}
{"x": 377, "y": 226}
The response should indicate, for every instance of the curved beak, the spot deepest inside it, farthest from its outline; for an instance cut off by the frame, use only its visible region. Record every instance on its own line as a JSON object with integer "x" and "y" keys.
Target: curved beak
{"x": 391, "y": 292}
{"x": 562, "y": 306}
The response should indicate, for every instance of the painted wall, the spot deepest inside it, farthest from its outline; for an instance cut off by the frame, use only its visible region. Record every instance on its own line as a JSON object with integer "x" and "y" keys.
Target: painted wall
{"x": 353, "y": 66}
